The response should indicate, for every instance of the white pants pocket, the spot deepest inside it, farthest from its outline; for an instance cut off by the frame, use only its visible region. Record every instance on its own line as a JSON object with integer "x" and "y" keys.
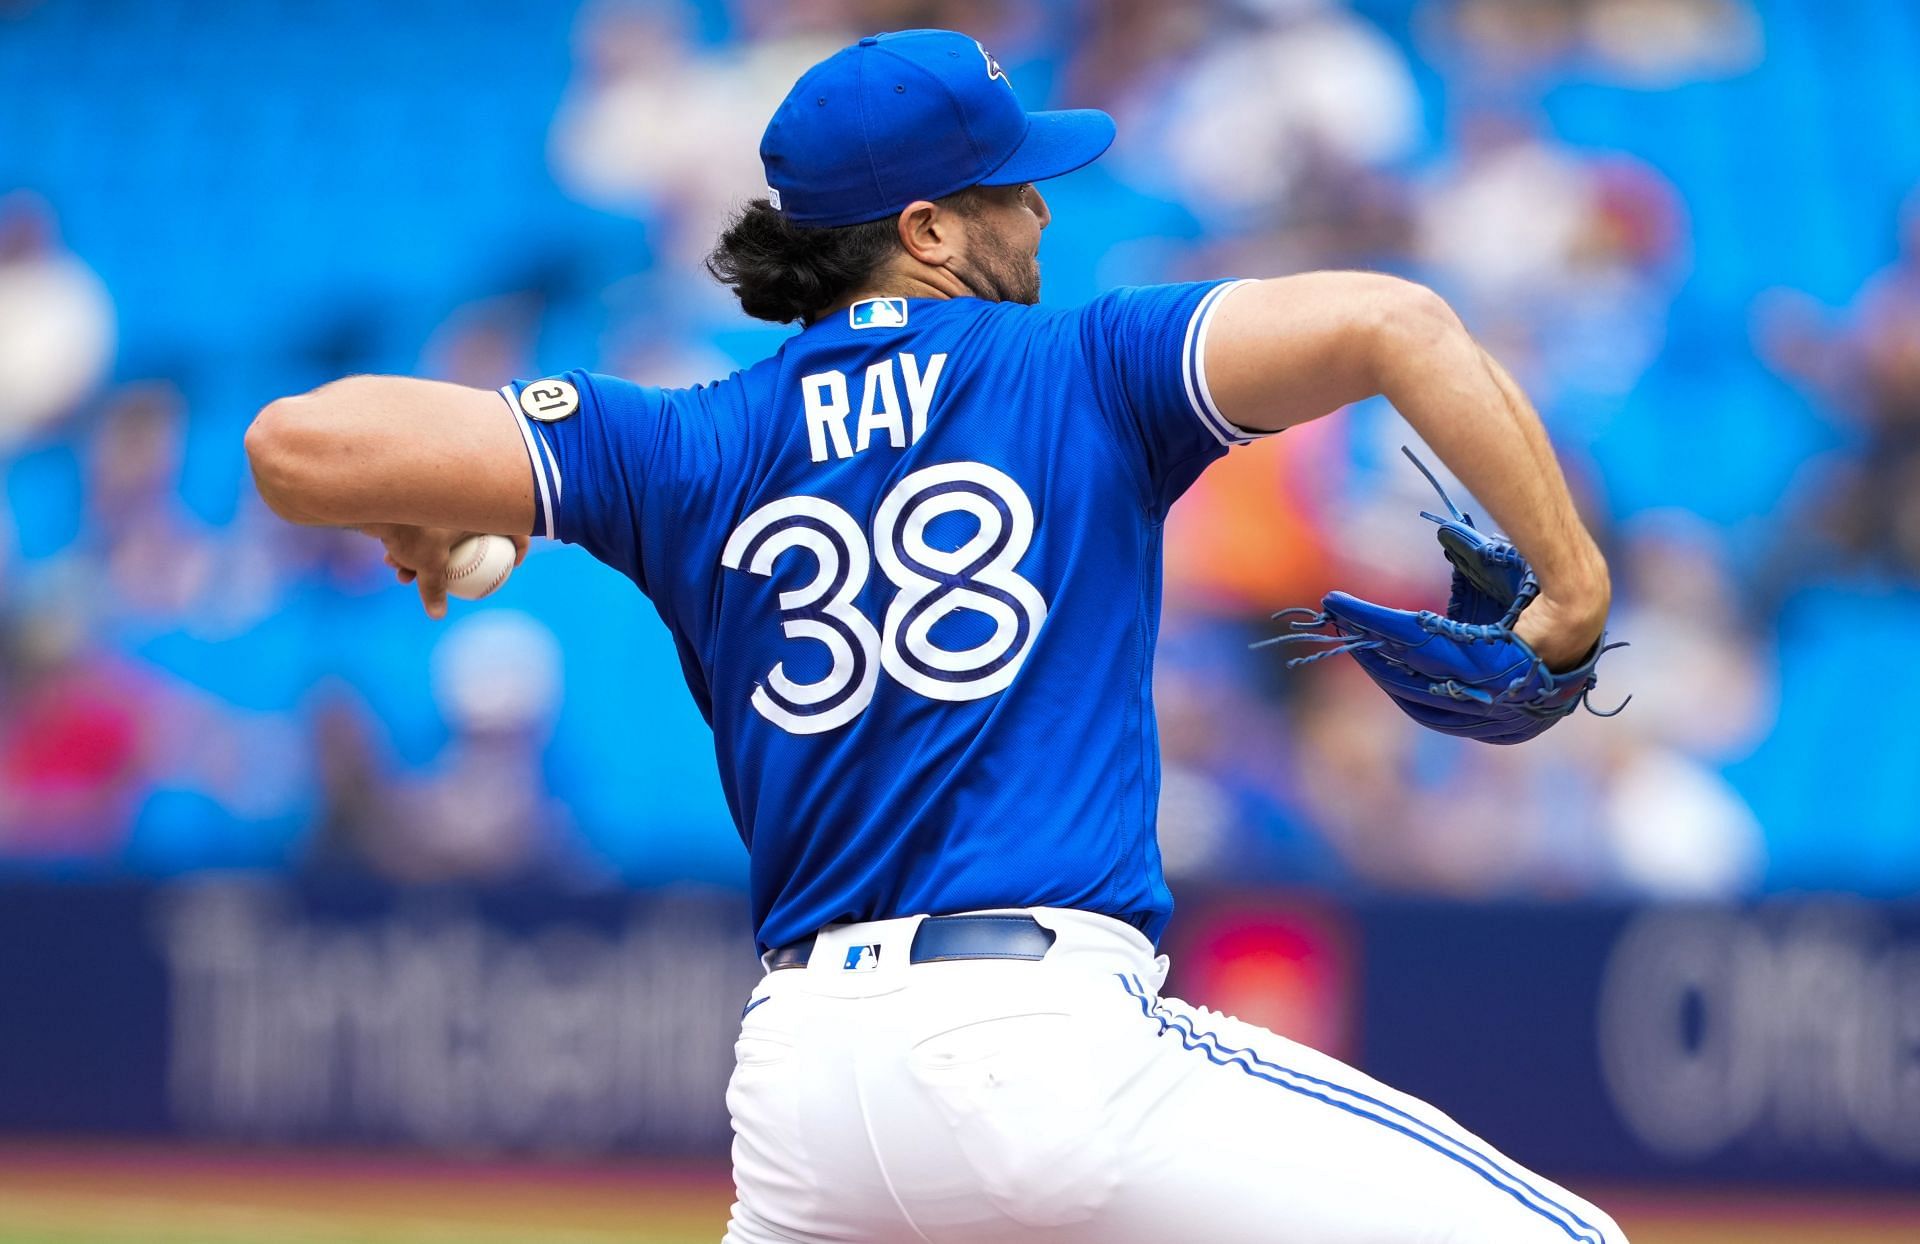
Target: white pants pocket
{"x": 1022, "y": 1099}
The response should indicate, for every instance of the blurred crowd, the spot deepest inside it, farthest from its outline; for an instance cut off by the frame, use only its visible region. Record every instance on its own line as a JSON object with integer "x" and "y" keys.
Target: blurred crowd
{"x": 187, "y": 683}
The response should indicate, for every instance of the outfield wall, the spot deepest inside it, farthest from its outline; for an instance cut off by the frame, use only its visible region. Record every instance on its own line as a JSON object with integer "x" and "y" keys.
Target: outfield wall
{"x": 1778, "y": 1043}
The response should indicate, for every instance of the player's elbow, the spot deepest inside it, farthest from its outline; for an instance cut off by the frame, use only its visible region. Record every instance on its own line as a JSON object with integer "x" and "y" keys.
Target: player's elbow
{"x": 1408, "y": 324}
{"x": 287, "y": 448}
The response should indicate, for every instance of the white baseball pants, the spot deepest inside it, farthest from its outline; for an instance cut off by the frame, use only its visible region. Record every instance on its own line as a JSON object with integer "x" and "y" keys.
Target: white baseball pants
{"x": 1066, "y": 1100}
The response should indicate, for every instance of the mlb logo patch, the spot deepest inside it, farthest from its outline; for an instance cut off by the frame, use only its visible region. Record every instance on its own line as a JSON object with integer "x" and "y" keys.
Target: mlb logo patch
{"x": 878, "y": 313}
{"x": 863, "y": 958}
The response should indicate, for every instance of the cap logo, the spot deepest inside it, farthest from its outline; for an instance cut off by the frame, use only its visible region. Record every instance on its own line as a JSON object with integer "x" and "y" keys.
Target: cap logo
{"x": 878, "y": 313}
{"x": 993, "y": 66}
{"x": 773, "y": 198}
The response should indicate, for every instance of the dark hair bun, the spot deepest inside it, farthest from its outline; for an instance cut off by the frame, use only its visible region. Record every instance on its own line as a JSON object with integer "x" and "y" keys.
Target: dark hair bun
{"x": 785, "y": 273}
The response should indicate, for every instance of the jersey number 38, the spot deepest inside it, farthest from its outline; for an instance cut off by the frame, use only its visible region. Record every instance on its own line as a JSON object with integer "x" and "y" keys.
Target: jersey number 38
{"x": 933, "y": 583}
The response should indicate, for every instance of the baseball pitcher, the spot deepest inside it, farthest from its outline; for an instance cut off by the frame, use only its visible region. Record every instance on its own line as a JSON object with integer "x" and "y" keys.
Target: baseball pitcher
{"x": 912, "y": 566}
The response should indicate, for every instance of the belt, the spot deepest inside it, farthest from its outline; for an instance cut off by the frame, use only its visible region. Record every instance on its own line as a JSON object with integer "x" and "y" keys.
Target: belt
{"x": 943, "y": 939}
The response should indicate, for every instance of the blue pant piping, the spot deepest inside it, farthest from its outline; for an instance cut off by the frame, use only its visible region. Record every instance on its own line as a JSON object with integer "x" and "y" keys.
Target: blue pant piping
{"x": 1251, "y": 1063}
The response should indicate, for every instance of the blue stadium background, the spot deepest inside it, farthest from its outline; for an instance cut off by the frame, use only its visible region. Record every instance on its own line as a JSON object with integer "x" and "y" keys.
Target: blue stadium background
{"x": 290, "y": 874}
{"x": 275, "y": 194}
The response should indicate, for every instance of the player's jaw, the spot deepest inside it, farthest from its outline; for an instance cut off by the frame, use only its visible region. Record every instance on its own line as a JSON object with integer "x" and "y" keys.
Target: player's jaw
{"x": 998, "y": 270}
{"x": 1001, "y": 262}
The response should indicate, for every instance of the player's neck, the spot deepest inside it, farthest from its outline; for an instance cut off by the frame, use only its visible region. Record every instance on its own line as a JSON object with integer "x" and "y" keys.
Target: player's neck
{"x": 920, "y": 281}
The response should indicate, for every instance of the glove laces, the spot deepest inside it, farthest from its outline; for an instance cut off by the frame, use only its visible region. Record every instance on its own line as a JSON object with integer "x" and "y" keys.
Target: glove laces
{"x": 1305, "y": 626}
{"x": 1445, "y": 500}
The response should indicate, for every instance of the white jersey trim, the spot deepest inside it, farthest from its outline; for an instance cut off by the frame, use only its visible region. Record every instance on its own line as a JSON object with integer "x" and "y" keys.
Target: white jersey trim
{"x": 542, "y": 459}
{"x": 1194, "y": 370}
{"x": 553, "y": 467}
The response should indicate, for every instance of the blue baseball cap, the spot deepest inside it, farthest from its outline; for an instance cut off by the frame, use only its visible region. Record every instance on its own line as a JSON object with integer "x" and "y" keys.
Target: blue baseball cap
{"x": 917, "y": 114}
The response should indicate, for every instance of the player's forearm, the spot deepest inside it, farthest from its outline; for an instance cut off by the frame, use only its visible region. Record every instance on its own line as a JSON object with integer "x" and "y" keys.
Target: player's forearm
{"x": 1473, "y": 414}
{"x": 389, "y": 450}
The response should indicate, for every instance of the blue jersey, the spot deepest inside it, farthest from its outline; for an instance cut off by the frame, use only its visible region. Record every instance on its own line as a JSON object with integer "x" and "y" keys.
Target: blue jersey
{"x": 912, "y": 566}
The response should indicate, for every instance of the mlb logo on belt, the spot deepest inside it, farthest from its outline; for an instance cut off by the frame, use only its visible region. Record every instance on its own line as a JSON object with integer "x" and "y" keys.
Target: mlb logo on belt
{"x": 862, "y": 958}
{"x": 878, "y": 313}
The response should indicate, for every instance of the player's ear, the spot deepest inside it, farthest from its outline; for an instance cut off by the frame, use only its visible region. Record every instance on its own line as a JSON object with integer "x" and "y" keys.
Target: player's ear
{"x": 929, "y": 233}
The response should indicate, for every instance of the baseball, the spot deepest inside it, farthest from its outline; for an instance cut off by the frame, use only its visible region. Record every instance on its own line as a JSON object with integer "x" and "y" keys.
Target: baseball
{"x": 477, "y": 565}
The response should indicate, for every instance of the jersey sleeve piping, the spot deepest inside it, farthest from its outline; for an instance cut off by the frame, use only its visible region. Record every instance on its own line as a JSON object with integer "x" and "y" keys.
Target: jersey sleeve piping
{"x": 553, "y": 467}
{"x": 1194, "y": 371}
{"x": 545, "y": 499}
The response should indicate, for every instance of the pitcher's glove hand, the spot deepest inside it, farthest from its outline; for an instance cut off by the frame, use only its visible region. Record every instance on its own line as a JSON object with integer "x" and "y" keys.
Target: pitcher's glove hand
{"x": 1464, "y": 672}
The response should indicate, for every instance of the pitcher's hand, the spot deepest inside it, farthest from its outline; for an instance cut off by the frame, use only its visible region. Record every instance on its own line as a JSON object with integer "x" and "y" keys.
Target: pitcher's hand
{"x": 418, "y": 556}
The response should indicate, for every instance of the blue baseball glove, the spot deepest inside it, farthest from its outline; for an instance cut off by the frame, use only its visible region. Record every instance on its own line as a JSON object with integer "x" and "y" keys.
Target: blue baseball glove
{"x": 1464, "y": 672}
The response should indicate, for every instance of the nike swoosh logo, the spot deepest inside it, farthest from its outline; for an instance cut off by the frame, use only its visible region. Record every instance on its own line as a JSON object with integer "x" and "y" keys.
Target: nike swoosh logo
{"x": 749, "y": 1006}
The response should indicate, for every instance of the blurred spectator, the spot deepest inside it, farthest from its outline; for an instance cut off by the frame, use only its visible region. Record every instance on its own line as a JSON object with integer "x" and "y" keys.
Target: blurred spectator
{"x": 1338, "y": 215}
{"x": 1673, "y": 828}
{"x": 480, "y": 812}
{"x": 8, "y": 552}
{"x": 658, "y": 126}
{"x": 1412, "y": 811}
{"x": 987, "y": 20}
{"x": 1591, "y": 809}
{"x": 1702, "y": 696}
{"x": 76, "y": 728}
{"x": 1865, "y": 502}
{"x": 108, "y": 758}
{"x": 56, "y": 322}
{"x": 1665, "y": 43}
{"x": 1127, "y": 52}
{"x": 485, "y": 343}
{"x": 263, "y": 566}
{"x": 157, "y": 560}
{"x": 1502, "y": 38}
{"x": 1504, "y": 45}
{"x": 1336, "y": 98}
{"x": 1564, "y": 262}
{"x": 1695, "y": 667}
{"x": 356, "y": 817}
{"x": 1226, "y": 801}
{"x": 1506, "y": 217}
